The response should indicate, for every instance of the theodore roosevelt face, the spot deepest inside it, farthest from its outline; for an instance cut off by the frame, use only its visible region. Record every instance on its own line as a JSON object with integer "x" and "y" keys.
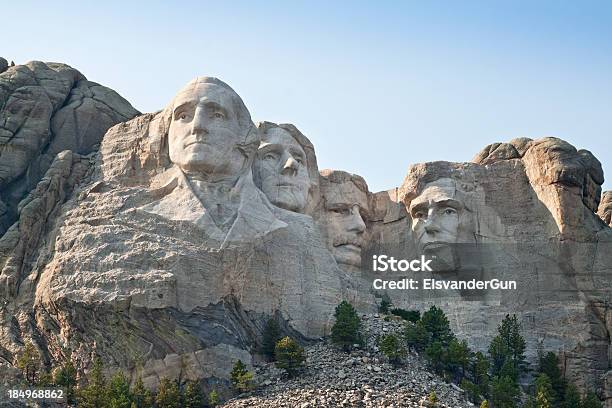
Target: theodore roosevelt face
{"x": 345, "y": 205}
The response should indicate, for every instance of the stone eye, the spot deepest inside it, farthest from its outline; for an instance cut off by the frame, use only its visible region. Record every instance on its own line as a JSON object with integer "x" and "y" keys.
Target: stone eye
{"x": 419, "y": 214}
{"x": 270, "y": 156}
{"x": 219, "y": 115}
{"x": 450, "y": 211}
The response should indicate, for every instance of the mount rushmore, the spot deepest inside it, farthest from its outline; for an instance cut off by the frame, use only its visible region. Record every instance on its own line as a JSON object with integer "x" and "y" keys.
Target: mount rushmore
{"x": 163, "y": 242}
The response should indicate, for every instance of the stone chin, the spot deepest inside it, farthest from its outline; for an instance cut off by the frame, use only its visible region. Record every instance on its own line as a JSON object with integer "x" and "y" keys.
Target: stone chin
{"x": 347, "y": 254}
{"x": 443, "y": 256}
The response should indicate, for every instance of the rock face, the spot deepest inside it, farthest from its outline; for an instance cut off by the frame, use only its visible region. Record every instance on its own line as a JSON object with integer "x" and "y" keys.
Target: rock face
{"x": 605, "y": 207}
{"x": 523, "y": 211}
{"x": 46, "y": 108}
{"x": 167, "y": 249}
{"x": 52, "y": 118}
{"x": 3, "y": 65}
{"x": 177, "y": 251}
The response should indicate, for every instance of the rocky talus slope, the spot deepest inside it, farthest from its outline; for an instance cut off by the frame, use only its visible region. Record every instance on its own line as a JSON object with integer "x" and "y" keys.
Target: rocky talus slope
{"x": 361, "y": 378}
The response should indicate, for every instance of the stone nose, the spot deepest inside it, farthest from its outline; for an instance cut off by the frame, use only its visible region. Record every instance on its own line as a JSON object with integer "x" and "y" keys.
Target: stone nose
{"x": 200, "y": 124}
{"x": 356, "y": 223}
{"x": 290, "y": 167}
{"x": 431, "y": 225}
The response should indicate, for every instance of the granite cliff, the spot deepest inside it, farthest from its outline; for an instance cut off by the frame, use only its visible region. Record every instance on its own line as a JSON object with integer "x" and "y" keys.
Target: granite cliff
{"x": 163, "y": 242}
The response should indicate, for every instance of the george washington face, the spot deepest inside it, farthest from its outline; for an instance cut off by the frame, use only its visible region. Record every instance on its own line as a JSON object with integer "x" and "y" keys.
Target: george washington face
{"x": 205, "y": 133}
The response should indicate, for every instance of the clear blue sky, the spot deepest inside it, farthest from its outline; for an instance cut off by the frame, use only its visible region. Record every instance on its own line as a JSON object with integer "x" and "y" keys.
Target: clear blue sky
{"x": 376, "y": 85}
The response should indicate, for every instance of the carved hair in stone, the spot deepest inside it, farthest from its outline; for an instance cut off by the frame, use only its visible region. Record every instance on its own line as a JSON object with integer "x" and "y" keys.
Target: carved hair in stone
{"x": 285, "y": 167}
{"x": 343, "y": 216}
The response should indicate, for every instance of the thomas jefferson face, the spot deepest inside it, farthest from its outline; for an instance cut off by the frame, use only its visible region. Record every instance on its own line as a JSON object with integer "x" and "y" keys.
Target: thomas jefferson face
{"x": 437, "y": 216}
{"x": 205, "y": 132}
{"x": 344, "y": 205}
{"x": 281, "y": 171}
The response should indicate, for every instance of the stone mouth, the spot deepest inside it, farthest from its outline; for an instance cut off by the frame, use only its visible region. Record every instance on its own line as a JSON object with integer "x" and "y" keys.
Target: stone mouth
{"x": 194, "y": 142}
{"x": 350, "y": 247}
{"x": 435, "y": 245}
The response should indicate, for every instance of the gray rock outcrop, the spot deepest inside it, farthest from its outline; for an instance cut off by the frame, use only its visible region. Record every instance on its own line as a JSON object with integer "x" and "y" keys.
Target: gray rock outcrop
{"x": 165, "y": 245}
{"x": 605, "y": 207}
{"x": 46, "y": 108}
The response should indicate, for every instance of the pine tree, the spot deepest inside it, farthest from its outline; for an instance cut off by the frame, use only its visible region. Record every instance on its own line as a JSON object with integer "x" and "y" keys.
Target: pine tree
{"x": 392, "y": 348}
{"x": 504, "y": 392}
{"x": 591, "y": 401}
{"x": 458, "y": 358}
{"x": 45, "y": 379}
{"x": 530, "y": 403}
{"x": 345, "y": 330}
{"x": 572, "y": 397}
{"x": 543, "y": 392}
{"x": 168, "y": 394}
{"x": 237, "y": 372}
{"x": 480, "y": 373}
{"x": 436, "y": 355}
{"x": 192, "y": 395}
{"x": 471, "y": 390}
{"x": 271, "y": 335}
{"x": 213, "y": 398}
{"x": 432, "y": 398}
{"x": 437, "y": 325}
{"x": 65, "y": 376}
{"x": 509, "y": 370}
{"x": 289, "y": 355}
{"x": 141, "y": 397}
{"x": 119, "y": 391}
{"x": 95, "y": 394}
{"x": 385, "y": 304}
{"x": 416, "y": 336}
{"x": 241, "y": 378}
{"x": 30, "y": 363}
{"x": 549, "y": 365}
{"x": 508, "y": 345}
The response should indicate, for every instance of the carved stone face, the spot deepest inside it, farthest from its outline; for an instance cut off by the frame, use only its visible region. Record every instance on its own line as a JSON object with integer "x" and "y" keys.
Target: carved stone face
{"x": 439, "y": 217}
{"x": 280, "y": 170}
{"x": 205, "y": 133}
{"x": 343, "y": 221}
